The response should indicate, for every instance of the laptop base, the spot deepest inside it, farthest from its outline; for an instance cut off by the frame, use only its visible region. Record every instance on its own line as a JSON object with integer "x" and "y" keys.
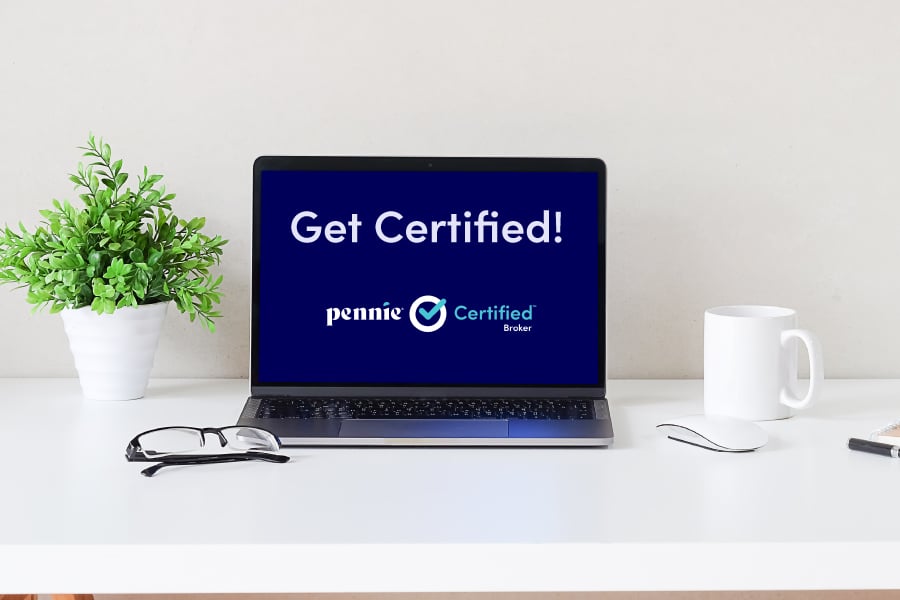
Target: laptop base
{"x": 521, "y": 432}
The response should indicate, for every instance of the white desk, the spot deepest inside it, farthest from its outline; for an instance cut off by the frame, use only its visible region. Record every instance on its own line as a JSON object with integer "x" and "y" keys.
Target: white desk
{"x": 646, "y": 514}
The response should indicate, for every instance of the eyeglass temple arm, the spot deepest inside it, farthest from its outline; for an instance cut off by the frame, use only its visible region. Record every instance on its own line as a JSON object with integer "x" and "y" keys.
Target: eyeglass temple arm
{"x": 212, "y": 459}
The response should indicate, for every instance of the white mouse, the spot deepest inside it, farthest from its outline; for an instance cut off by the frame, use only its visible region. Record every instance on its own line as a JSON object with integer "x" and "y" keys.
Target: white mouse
{"x": 716, "y": 432}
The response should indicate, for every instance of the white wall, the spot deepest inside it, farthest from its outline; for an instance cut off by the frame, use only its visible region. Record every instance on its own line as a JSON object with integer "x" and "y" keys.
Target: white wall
{"x": 753, "y": 147}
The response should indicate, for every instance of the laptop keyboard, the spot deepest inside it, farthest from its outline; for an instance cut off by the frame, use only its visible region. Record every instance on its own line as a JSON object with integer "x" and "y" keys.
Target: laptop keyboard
{"x": 423, "y": 408}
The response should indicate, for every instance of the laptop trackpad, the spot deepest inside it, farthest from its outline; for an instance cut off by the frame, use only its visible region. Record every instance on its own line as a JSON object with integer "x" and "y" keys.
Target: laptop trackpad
{"x": 424, "y": 428}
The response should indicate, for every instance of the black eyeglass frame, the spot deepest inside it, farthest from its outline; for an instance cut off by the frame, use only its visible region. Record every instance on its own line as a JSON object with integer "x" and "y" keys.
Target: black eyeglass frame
{"x": 135, "y": 453}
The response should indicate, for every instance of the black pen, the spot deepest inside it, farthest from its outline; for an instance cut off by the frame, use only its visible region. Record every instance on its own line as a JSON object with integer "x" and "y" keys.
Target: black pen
{"x": 874, "y": 447}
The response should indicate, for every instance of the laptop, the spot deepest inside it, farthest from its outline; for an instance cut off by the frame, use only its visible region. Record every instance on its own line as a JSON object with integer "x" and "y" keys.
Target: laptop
{"x": 429, "y": 301}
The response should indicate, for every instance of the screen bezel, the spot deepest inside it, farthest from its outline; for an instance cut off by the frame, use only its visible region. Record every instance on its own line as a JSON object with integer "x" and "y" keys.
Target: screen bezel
{"x": 449, "y": 164}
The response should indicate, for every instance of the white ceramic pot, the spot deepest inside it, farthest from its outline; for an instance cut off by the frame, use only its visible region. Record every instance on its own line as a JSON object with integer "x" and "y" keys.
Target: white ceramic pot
{"x": 114, "y": 352}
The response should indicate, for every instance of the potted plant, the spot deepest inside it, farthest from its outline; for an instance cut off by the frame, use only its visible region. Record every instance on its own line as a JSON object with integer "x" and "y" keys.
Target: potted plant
{"x": 111, "y": 268}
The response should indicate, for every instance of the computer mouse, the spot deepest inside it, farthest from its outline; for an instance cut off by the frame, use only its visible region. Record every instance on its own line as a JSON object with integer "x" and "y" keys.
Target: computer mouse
{"x": 716, "y": 432}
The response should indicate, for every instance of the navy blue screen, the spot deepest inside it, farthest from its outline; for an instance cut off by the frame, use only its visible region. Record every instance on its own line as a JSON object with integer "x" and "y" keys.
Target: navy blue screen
{"x": 338, "y": 312}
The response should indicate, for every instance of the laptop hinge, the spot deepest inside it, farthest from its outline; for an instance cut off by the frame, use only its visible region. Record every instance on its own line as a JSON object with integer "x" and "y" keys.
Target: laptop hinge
{"x": 250, "y": 408}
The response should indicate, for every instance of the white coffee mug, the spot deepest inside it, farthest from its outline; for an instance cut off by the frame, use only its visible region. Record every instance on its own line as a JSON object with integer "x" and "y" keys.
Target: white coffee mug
{"x": 750, "y": 362}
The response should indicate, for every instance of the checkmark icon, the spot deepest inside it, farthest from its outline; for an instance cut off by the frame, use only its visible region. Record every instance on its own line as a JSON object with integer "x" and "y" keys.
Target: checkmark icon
{"x": 428, "y": 320}
{"x": 428, "y": 314}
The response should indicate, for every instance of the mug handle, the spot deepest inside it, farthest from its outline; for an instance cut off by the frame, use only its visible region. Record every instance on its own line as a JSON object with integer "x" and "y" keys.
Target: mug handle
{"x": 816, "y": 372}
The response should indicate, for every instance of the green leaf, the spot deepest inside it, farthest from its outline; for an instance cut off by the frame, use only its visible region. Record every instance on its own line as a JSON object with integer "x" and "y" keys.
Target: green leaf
{"x": 98, "y": 287}
{"x": 126, "y": 300}
{"x": 115, "y": 268}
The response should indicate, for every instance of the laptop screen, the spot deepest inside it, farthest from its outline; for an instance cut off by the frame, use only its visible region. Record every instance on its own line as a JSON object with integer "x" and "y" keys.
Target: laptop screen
{"x": 428, "y": 272}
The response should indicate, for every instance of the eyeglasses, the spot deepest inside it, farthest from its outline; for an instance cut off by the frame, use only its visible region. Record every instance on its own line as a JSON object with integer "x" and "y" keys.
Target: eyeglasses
{"x": 170, "y": 446}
